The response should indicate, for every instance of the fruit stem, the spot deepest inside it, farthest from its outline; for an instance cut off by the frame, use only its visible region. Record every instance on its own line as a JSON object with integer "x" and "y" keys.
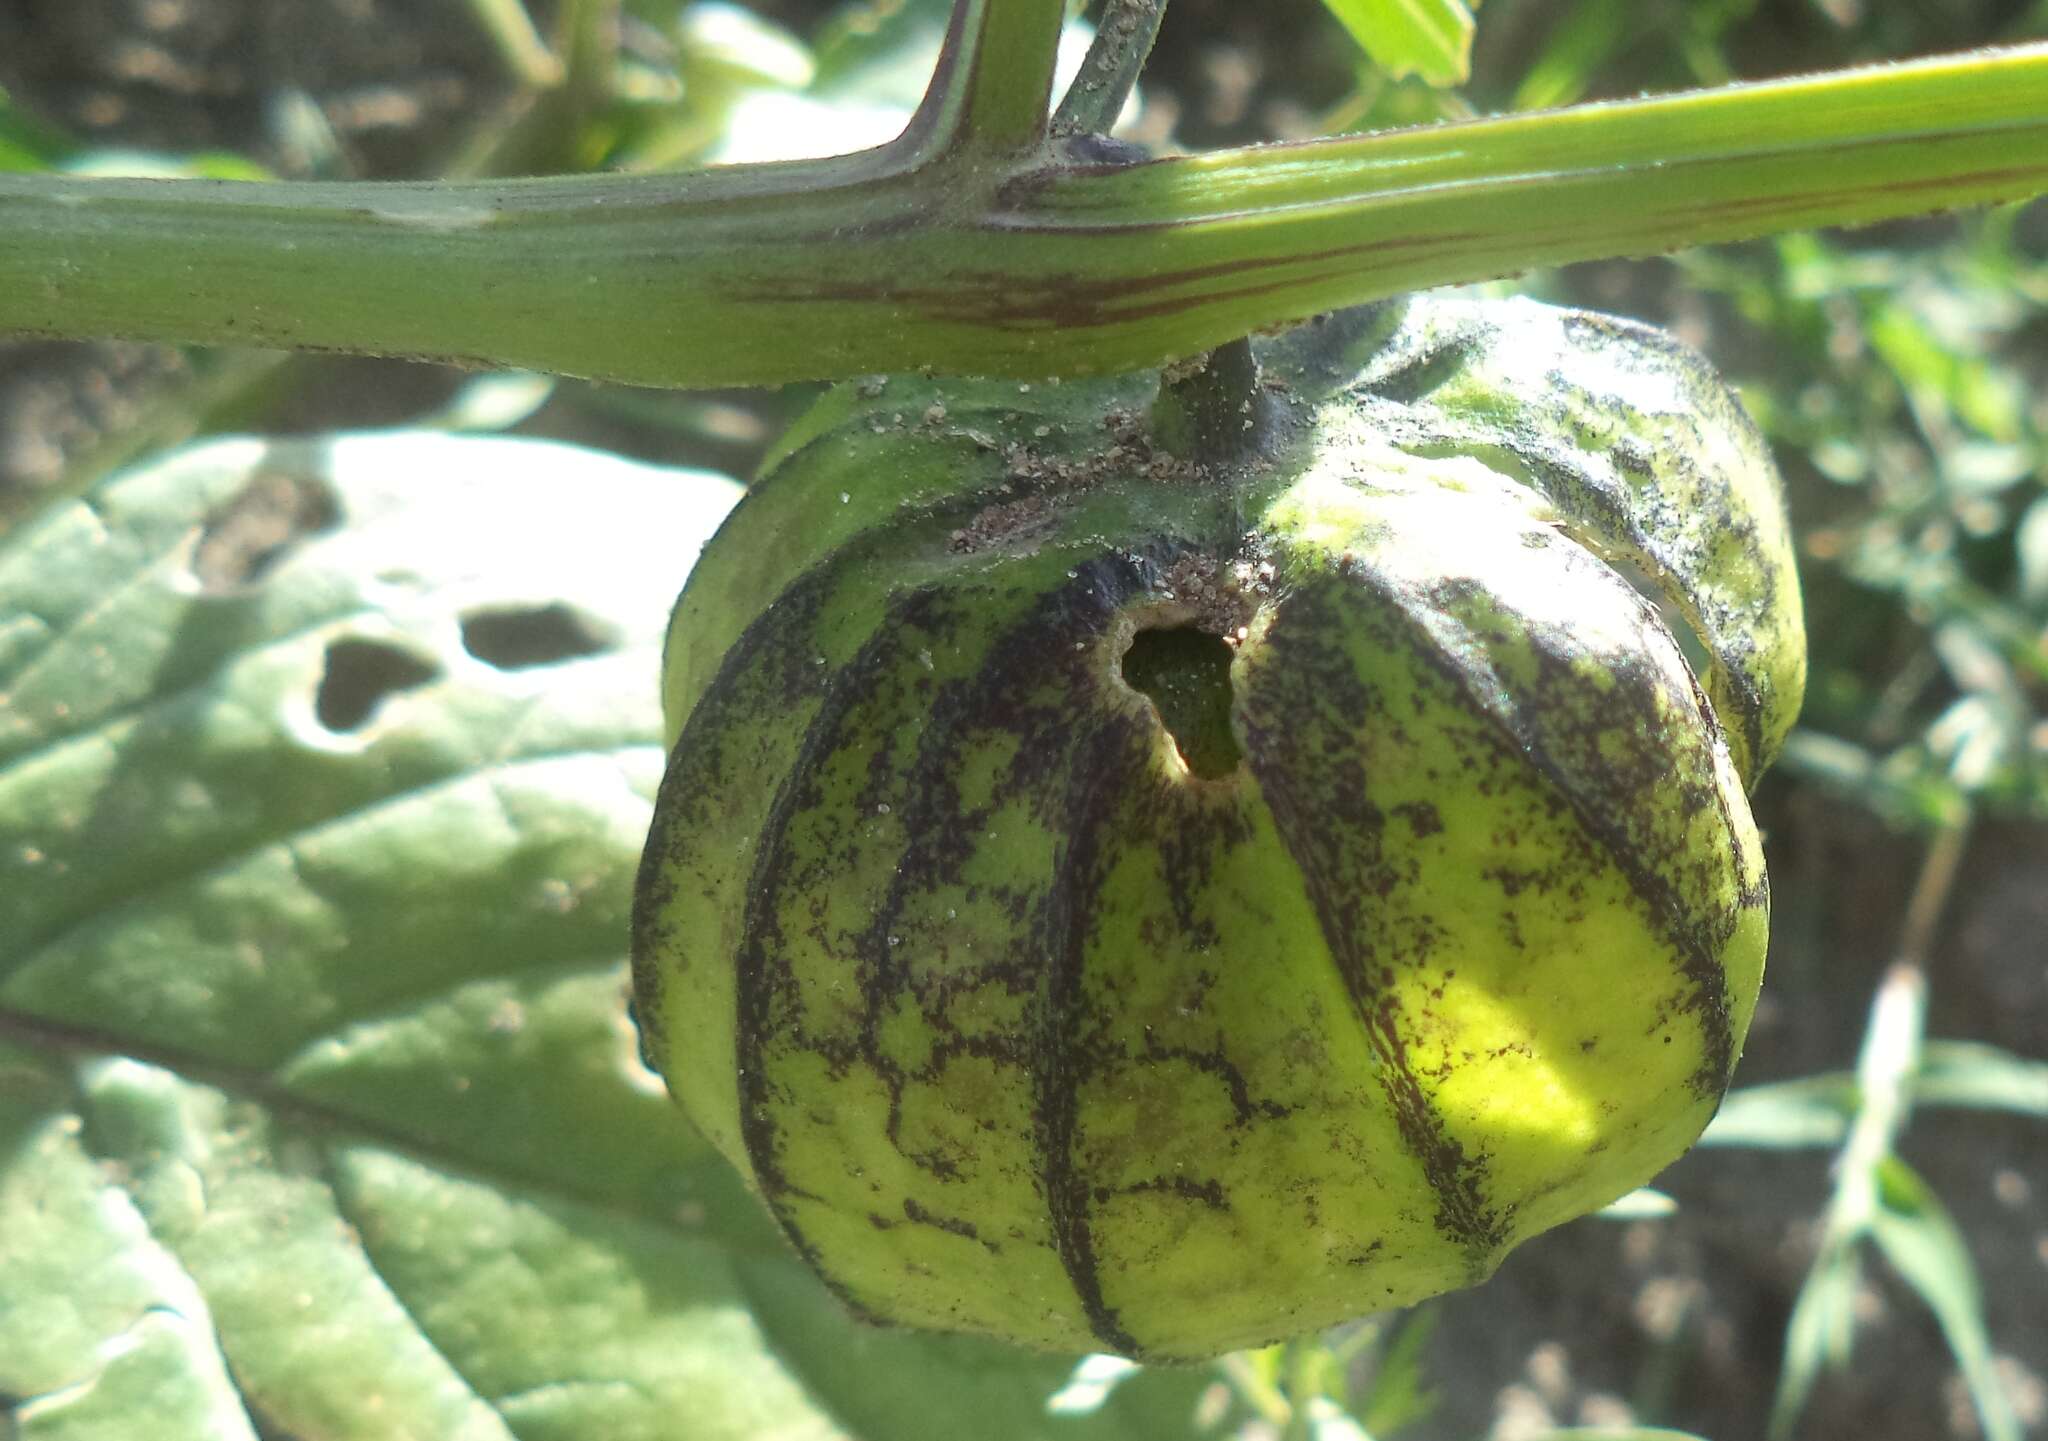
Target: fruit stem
{"x": 1213, "y": 408}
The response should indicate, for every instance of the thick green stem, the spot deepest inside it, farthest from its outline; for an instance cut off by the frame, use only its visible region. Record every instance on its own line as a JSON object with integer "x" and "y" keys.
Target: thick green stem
{"x": 994, "y": 82}
{"x": 934, "y": 252}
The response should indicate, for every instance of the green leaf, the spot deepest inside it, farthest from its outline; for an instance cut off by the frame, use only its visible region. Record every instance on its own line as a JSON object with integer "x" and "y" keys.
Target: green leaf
{"x": 1968, "y": 1073}
{"x": 87, "y": 1359}
{"x": 28, "y": 143}
{"x": 518, "y": 45}
{"x": 1617, "y": 1433}
{"x": 1923, "y": 1245}
{"x": 1785, "y": 1115}
{"x": 1575, "y": 53}
{"x": 324, "y": 769}
{"x": 1093, "y": 1381}
{"x": 1821, "y": 1330}
{"x": 150, "y": 165}
{"x": 1327, "y": 1421}
{"x": 1428, "y": 38}
{"x": 1814, "y": 1111}
{"x": 1399, "y": 1393}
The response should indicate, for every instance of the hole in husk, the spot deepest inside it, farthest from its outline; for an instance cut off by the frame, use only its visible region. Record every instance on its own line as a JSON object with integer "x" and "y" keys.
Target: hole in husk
{"x": 1185, "y": 673}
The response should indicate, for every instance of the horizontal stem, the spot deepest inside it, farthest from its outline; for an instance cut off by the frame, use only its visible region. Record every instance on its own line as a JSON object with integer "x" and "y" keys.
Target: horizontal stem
{"x": 896, "y": 259}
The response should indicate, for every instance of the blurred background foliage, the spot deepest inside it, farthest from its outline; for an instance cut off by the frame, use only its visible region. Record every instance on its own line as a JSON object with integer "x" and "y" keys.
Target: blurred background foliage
{"x": 1901, "y": 372}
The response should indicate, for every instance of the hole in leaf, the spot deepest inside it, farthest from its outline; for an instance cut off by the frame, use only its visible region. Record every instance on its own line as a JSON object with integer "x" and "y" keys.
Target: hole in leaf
{"x": 360, "y": 674}
{"x": 532, "y": 636}
{"x": 1185, "y": 673}
{"x": 245, "y": 539}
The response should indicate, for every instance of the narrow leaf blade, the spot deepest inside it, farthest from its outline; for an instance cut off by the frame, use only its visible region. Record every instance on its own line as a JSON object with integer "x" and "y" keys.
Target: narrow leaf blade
{"x": 1427, "y": 38}
{"x": 1922, "y": 1243}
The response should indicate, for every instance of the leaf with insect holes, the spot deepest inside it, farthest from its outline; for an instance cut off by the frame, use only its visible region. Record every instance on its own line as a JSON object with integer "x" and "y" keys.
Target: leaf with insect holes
{"x": 324, "y": 765}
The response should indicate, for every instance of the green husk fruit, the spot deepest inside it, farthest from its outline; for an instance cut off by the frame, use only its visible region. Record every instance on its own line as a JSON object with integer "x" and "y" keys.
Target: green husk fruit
{"x": 1162, "y": 866}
